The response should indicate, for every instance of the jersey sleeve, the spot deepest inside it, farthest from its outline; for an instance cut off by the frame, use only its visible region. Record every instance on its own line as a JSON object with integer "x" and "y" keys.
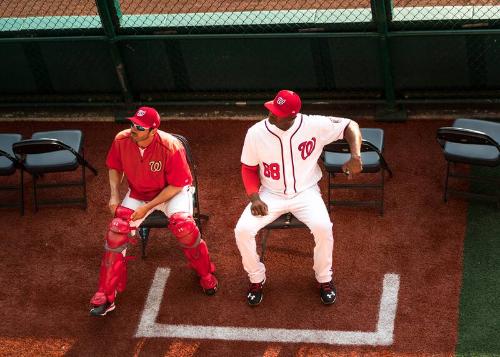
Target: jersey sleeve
{"x": 251, "y": 180}
{"x": 332, "y": 128}
{"x": 248, "y": 153}
{"x": 177, "y": 169}
{"x": 113, "y": 160}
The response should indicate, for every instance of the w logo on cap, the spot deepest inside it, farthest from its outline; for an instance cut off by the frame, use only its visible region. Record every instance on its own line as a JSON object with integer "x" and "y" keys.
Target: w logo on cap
{"x": 140, "y": 113}
{"x": 280, "y": 101}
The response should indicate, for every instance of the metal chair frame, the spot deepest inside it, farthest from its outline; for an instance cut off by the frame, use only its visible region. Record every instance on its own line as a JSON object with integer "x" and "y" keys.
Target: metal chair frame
{"x": 157, "y": 219}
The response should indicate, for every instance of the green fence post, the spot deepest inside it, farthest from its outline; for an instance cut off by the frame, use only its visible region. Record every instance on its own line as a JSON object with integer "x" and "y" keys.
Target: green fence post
{"x": 382, "y": 14}
{"x": 110, "y": 14}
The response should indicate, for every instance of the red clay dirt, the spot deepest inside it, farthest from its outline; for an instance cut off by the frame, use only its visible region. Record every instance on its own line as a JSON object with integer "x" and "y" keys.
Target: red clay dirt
{"x": 50, "y": 260}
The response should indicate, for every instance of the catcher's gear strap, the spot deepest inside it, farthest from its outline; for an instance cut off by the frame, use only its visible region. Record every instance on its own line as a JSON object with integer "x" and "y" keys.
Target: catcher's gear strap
{"x": 184, "y": 228}
{"x": 251, "y": 180}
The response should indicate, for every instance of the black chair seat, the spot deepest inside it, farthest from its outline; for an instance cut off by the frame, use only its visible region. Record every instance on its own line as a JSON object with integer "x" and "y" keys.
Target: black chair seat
{"x": 8, "y": 163}
{"x": 371, "y": 160}
{"x": 57, "y": 161}
{"x": 473, "y": 154}
{"x": 284, "y": 221}
{"x": 156, "y": 219}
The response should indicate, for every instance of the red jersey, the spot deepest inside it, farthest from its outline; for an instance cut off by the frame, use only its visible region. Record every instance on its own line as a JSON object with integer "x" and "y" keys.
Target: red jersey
{"x": 163, "y": 163}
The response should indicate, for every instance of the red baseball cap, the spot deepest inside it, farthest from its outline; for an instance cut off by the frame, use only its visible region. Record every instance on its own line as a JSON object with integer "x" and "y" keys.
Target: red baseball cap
{"x": 146, "y": 117}
{"x": 285, "y": 104}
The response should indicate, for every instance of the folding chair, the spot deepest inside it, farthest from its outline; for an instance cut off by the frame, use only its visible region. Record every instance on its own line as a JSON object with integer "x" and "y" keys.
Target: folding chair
{"x": 284, "y": 221}
{"x": 50, "y": 152}
{"x": 8, "y": 166}
{"x": 157, "y": 219}
{"x": 470, "y": 142}
{"x": 337, "y": 153}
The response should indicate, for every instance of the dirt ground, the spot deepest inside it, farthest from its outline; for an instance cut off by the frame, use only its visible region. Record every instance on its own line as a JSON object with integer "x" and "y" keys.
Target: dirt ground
{"x": 50, "y": 260}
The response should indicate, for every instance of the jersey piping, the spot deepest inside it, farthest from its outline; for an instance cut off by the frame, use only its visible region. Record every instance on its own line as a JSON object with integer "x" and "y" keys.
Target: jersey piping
{"x": 282, "y": 157}
{"x": 291, "y": 155}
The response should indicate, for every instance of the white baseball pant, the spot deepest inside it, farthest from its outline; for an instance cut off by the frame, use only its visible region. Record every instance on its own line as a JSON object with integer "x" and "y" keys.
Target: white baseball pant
{"x": 308, "y": 207}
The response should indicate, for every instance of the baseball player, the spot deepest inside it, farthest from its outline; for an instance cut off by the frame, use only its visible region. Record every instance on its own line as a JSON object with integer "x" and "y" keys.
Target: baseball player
{"x": 159, "y": 178}
{"x": 280, "y": 174}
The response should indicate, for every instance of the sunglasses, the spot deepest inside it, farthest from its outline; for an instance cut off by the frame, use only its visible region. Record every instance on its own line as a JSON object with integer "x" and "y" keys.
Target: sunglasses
{"x": 138, "y": 127}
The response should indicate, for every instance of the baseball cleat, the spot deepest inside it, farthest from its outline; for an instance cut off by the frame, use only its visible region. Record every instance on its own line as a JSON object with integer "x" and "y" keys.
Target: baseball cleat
{"x": 328, "y": 292}
{"x": 102, "y": 310}
{"x": 209, "y": 284}
{"x": 255, "y": 294}
{"x": 211, "y": 291}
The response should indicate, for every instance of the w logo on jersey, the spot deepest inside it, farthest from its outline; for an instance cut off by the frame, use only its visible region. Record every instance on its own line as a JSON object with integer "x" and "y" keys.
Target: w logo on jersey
{"x": 307, "y": 147}
{"x": 155, "y": 166}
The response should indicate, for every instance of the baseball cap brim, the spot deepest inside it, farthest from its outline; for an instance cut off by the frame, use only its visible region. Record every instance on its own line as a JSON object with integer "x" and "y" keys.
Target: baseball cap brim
{"x": 275, "y": 110}
{"x": 138, "y": 121}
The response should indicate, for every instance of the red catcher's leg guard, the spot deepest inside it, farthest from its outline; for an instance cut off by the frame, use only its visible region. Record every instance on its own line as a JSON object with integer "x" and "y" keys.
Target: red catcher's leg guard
{"x": 113, "y": 273}
{"x": 195, "y": 249}
{"x": 199, "y": 260}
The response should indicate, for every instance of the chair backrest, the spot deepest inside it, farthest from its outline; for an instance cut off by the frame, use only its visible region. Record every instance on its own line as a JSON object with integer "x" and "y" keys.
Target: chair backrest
{"x": 464, "y": 136}
{"x": 342, "y": 146}
{"x": 14, "y": 160}
{"x": 39, "y": 146}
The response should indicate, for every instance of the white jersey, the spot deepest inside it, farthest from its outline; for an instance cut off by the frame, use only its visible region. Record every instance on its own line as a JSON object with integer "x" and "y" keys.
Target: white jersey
{"x": 288, "y": 160}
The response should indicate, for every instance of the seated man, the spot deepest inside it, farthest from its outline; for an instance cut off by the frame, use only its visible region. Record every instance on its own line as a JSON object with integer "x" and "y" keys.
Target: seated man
{"x": 280, "y": 174}
{"x": 159, "y": 178}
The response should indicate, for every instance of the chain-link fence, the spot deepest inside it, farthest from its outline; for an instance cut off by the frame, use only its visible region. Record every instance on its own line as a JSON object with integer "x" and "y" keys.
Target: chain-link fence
{"x": 132, "y": 50}
{"x": 246, "y": 16}
{"x": 32, "y": 16}
{"x": 445, "y": 14}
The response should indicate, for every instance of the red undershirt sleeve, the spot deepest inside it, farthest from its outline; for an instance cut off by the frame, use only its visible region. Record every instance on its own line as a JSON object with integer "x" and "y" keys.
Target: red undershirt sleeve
{"x": 251, "y": 180}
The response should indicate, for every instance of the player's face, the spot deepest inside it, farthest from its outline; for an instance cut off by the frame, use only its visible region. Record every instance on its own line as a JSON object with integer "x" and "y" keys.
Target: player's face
{"x": 139, "y": 135}
{"x": 282, "y": 123}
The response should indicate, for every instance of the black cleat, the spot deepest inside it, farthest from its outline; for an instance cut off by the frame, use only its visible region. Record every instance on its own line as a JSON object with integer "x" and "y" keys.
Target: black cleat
{"x": 102, "y": 310}
{"x": 328, "y": 292}
{"x": 255, "y": 294}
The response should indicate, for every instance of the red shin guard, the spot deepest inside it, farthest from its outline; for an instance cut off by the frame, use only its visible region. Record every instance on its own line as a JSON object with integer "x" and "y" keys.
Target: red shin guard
{"x": 199, "y": 260}
{"x": 113, "y": 273}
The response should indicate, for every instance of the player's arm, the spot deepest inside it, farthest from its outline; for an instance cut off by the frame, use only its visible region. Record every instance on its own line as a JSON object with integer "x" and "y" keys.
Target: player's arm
{"x": 251, "y": 181}
{"x": 115, "y": 179}
{"x": 165, "y": 195}
{"x": 352, "y": 135}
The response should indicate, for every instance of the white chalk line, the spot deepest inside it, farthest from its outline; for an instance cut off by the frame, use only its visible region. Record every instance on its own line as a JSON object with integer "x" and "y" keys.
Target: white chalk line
{"x": 382, "y": 336}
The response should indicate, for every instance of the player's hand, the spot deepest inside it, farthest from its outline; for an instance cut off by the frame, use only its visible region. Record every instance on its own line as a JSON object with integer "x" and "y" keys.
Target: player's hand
{"x": 353, "y": 166}
{"x": 113, "y": 203}
{"x": 139, "y": 213}
{"x": 258, "y": 207}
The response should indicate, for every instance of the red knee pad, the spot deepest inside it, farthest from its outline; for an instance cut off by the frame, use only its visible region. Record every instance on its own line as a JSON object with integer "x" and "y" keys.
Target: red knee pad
{"x": 184, "y": 228}
{"x": 123, "y": 212}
